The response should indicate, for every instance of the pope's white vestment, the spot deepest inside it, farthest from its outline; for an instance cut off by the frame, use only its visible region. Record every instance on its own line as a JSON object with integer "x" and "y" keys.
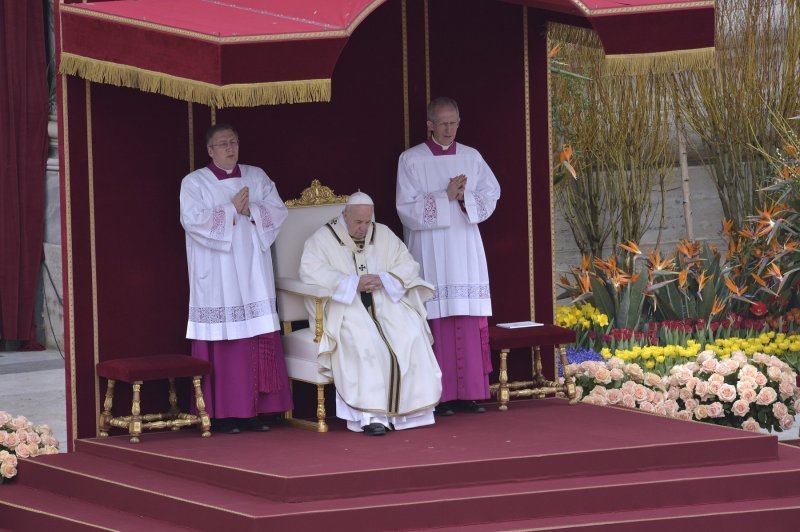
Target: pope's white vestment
{"x": 381, "y": 361}
{"x": 443, "y": 235}
{"x": 231, "y": 286}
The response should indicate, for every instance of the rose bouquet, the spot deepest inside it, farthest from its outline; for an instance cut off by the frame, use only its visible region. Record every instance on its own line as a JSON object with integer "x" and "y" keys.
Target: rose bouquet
{"x": 19, "y": 438}
{"x": 738, "y": 391}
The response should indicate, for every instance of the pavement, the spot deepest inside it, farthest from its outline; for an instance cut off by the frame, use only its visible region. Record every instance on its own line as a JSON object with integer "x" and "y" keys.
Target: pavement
{"x": 32, "y": 384}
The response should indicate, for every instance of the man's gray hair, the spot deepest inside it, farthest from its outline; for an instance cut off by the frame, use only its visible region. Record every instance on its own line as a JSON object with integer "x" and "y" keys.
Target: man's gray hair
{"x": 441, "y": 101}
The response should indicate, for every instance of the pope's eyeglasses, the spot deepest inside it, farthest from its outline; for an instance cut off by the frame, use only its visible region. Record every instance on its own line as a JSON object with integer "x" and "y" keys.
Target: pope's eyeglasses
{"x": 227, "y": 144}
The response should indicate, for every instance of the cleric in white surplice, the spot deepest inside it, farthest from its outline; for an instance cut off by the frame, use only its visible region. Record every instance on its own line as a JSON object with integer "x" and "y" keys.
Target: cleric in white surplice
{"x": 376, "y": 341}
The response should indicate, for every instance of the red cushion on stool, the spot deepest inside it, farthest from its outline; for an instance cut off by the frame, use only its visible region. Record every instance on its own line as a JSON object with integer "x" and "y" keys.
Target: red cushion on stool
{"x": 152, "y": 367}
{"x": 500, "y": 338}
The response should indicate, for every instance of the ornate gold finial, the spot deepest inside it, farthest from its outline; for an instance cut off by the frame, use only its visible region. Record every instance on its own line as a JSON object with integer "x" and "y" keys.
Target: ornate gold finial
{"x": 316, "y": 194}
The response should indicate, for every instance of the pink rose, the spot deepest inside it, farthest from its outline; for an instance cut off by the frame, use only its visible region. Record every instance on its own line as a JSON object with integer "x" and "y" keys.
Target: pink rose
{"x": 653, "y": 380}
{"x": 49, "y": 449}
{"x": 690, "y": 404}
{"x": 748, "y": 371}
{"x": 628, "y": 400}
{"x": 635, "y": 372}
{"x": 673, "y": 393}
{"x": 751, "y": 425}
{"x": 708, "y": 365}
{"x": 701, "y": 389}
{"x": 3, "y": 435}
{"x": 760, "y": 358}
{"x": 33, "y": 437}
{"x": 19, "y": 422}
{"x": 786, "y": 422}
{"x": 739, "y": 357}
{"x": 740, "y": 408}
{"x": 727, "y": 367}
{"x": 682, "y": 375}
{"x": 774, "y": 373}
{"x": 598, "y": 391}
{"x": 617, "y": 374}
{"x": 748, "y": 394}
{"x": 786, "y": 389}
{"x": 12, "y": 440}
{"x": 691, "y": 384}
{"x": 779, "y": 409}
{"x": 603, "y": 376}
{"x": 766, "y": 396}
{"x": 685, "y": 394}
{"x": 33, "y": 449}
{"x": 7, "y": 471}
{"x": 713, "y": 387}
{"x": 716, "y": 409}
{"x": 761, "y": 379}
{"x": 685, "y": 415}
{"x": 646, "y": 406}
{"x": 22, "y": 451}
{"x": 658, "y": 397}
{"x": 727, "y": 392}
{"x": 661, "y": 410}
{"x": 797, "y": 405}
{"x": 701, "y": 411}
{"x": 578, "y": 392}
{"x": 716, "y": 377}
{"x": 628, "y": 386}
{"x": 640, "y": 393}
{"x": 747, "y": 382}
{"x": 22, "y": 435}
{"x": 5, "y": 417}
{"x": 651, "y": 396}
{"x": 614, "y": 396}
{"x": 705, "y": 356}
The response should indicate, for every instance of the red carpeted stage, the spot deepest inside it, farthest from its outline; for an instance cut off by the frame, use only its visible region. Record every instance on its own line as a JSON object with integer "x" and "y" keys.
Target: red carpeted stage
{"x": 543, "y": 465}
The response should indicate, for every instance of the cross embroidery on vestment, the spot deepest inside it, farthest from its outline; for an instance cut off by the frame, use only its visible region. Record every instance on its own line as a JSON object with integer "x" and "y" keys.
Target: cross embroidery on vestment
{"x": 362, "y": 267}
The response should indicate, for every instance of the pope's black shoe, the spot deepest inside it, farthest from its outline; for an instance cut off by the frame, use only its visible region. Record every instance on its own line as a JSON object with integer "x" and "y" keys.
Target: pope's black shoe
{"x": 443, "y": 409}
{"x": 253, "y": 424}
{"x": 224, "y": 425}
{"x": 374, "y": 429}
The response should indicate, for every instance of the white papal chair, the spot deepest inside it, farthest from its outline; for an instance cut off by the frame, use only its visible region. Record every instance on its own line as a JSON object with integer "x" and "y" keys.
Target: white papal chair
{"x": 298, "y": 301}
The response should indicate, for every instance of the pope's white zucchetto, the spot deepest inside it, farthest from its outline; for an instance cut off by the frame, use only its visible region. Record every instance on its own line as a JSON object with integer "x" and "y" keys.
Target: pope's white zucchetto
{"x": 359, "y": 198}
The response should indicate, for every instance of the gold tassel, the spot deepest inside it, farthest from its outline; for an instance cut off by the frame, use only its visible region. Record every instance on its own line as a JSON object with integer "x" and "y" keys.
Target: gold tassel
{"x": 220, "y": 96}
{"x": 659, "y": 62}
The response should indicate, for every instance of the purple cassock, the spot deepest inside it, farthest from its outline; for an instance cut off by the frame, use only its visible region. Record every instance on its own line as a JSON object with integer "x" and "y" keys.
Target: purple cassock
{"x": 461, "y": 343}
{"x": 248, "y": 375}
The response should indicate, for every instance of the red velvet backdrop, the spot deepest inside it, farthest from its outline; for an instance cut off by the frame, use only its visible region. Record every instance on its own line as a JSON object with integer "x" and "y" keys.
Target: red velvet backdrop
{"x": 133, "y": 148}
{"x": 23, "y": 152}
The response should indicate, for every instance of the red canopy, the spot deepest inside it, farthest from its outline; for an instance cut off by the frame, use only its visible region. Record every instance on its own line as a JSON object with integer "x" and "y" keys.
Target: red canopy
{"x": 256, "y": 52}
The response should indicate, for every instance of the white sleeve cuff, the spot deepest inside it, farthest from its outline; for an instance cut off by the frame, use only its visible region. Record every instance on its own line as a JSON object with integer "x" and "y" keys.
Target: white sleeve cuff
{"x": 346, "y": 290}
{"x": 392, "y": 286}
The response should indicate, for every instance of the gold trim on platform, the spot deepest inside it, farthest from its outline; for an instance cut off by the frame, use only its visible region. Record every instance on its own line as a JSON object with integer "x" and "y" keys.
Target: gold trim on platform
{"x": 92, "y": 246}
{"x": 316, "y": 194}
{"x": 127, "y": 21}
{"x": 233, "y": 95}
{"x": 528, "y": 157}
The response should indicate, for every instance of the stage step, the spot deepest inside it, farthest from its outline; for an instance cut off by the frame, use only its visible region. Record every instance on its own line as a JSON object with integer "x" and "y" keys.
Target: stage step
{"x": 497, "y": 471}
{"x": 24, "y": 508}
{"x": 570, "y": 501}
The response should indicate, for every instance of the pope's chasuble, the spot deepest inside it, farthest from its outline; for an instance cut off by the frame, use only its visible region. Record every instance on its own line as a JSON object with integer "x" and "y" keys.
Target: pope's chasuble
{"x": 380, "y": 358}
{"x": 443, "y": 234}
{"x": 231, "y": 286}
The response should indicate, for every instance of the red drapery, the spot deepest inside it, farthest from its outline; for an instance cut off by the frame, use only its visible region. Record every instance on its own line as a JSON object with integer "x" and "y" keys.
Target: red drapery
{"x": 23, "y": 156}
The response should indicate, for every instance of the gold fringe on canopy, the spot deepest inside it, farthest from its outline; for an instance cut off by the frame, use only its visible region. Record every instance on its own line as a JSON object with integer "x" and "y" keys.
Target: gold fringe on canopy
{"x": 573, "y": 35}
{"x": 234, "y": 95}
{"x": 659, "y": 62}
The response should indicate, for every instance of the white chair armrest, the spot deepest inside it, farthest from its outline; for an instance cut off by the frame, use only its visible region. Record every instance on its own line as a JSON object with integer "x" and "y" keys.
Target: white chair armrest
{"x": 296, "y": 286}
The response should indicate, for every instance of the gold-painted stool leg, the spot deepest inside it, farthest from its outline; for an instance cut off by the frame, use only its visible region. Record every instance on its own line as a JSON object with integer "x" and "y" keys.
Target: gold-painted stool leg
{"x": 200, "y": 403}
{"x": 502, "y": 390}
{"x": 135, "y": 424}
{"x": 569, "y": 380}
{"x": 322, "y": 426}
{"x": 538, "y": 376}
{"x": 173, "y": 411}
{"x": 105, "y": 418}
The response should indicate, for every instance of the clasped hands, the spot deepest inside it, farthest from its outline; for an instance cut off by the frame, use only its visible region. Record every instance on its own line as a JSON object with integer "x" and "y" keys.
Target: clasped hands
{"x": 456, "y": 186}
{"x": 241, "y": 200}
{"x": 369, "y": 283}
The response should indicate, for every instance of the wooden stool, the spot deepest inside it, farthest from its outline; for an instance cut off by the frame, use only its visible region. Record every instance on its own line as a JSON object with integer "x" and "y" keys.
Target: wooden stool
{"x": 504, "y": 340}
{"x": 149, "y": 368}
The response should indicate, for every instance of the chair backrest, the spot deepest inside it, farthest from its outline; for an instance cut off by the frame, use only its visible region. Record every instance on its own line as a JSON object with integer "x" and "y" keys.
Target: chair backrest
{"x": 316, "y": 206}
